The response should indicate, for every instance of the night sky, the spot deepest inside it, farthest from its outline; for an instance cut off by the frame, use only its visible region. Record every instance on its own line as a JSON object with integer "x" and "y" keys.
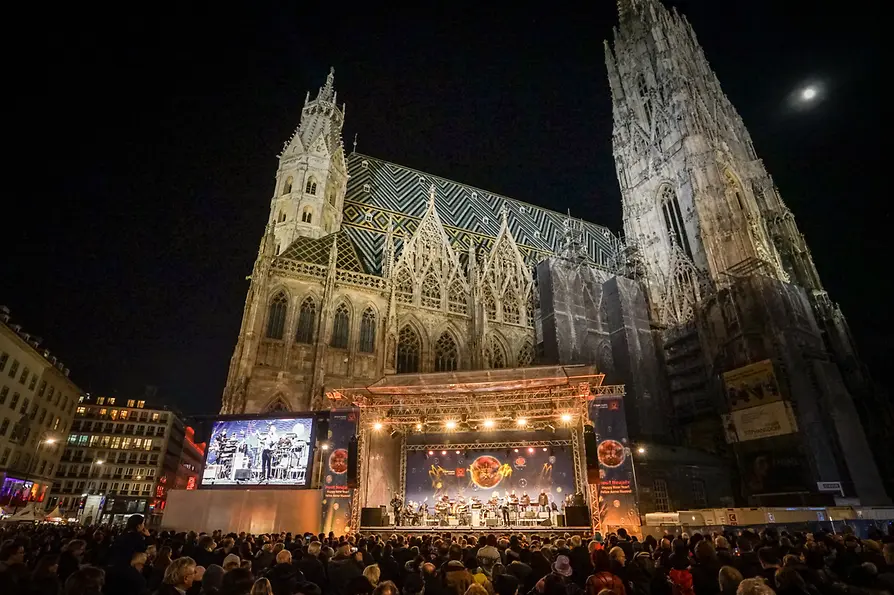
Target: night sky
{"x": 144, "y": 151}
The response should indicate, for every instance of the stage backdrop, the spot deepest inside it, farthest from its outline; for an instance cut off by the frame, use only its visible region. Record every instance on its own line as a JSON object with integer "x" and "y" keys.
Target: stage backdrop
{"x": 617, "y": 502}
{"x": 337, "y": 497}
{"x": 485, "y": 472}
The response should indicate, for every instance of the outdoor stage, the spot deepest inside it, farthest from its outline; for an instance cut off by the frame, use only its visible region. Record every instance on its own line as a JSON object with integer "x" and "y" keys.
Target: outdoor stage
{"x": 450, "y": 442}
{"x": 501, "y": 530}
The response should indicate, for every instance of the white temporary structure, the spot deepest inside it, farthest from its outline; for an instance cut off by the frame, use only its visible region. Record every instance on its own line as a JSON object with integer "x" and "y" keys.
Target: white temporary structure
{"x": 54, "y": 514}
{"x": 28, "y": 514}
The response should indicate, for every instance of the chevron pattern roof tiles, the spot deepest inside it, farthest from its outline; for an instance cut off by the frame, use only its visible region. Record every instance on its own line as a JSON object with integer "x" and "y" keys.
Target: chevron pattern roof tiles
{"x": 379, "y": 191}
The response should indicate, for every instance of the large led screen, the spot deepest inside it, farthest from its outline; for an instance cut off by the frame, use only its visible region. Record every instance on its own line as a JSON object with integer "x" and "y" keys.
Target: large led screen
{"x": 260, "y": 452}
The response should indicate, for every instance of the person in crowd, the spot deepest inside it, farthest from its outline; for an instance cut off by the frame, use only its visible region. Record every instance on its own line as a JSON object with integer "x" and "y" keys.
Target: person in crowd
{"x": 886, "y": 573}
{"x": 264, "y": 559}
{"x": 365, "y": 583}
{"x": 705, "y": 569}
{"x": 284, "y": 577}
{"x": 748, "y": 562}
{"x": 343, "y": 567}
{"x": 155, "y": 571}
{"x": 386, "y": 588}
{"x": 728, "y": 579}
{"x": 179, "y": 577}
{"x": 212, "y": 580}
{"x": 312, "y": 567}
{"x": 580, "y": 561}
{"x": 44, "y": 579}
{"x": 769, "y": 561}
{"x": 262, "y": 586}
{"x": 456, "y": 576}
{"x": 70, "y": 558}
{"x": 506, "y": 584}
{"x": 724, "y": 552}
{"x": 133, "y": 540}
{"x": 754, "y": 586}
{"x": 13, "y": 571}
{"x": 603, "y": 577}
{"x": 238, "y": 581}
{"x": 128, "y": 579}
{"x": 204, "y": 551}
{"x": 88, "y": 580}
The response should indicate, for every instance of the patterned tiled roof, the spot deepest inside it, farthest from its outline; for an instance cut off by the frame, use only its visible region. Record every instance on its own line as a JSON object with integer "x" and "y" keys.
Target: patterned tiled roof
{"x": 379, "y": 191}
{"x": 316, "y": 251}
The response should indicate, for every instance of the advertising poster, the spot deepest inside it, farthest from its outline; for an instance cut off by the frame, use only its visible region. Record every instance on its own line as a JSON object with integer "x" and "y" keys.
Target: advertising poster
{"x": 772, "y": 466}
{"x": 763, "y": 421}
{"x": 617, "y": 500}
{"x": 751, "y": 385}
{"x": 337, "y": 497}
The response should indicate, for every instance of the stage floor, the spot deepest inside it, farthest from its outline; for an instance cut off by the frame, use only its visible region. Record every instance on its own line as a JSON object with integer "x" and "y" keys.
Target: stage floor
{"x": 477, "y": 530}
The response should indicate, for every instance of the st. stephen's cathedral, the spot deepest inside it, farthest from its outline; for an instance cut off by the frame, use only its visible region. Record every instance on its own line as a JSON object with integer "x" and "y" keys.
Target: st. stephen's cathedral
{"x": 369, "y": 268}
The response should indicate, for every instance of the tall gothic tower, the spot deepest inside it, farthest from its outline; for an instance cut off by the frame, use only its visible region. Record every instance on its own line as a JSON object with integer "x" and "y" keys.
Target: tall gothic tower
{"x": 728, "y": 276}
{"x": 312, "y": 175}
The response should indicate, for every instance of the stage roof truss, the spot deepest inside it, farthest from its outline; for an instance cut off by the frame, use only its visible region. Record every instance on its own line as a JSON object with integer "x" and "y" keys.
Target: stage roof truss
{"x": 540, "y": 407}
{"x": 496, "y": 445}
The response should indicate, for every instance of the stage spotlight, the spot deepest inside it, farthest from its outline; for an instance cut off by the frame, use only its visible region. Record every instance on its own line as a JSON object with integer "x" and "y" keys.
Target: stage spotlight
{"x": 378, "y": 425}
{"x": 566, "y": 418}
{"x": 418, "y": 427}
{"x": 641, "y": 450}
{"x": 544, "y": 449}
{"x": 325, "y": 446}
{"x": 450, "y": 425}
{"x": 488, "y": 423}
{"x": 516, "y": 450}
{"x": 521, "y": 421}
{"x": 530, "y": 450}
{"x": 431, "y": 453}
{"x": 395, "y": 433}
{"x": 457, "y": 452}
{"x": 443, "y": 453}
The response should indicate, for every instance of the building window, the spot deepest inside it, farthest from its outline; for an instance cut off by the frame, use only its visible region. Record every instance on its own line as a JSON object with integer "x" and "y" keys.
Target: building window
{"x": 140, "y": 405}
{"x": 306, "y": 315}
{"x": 112, "y": 401}
{"x": 673, "y": 219}
{"x": 408, "y": 348}
{"x": 43, "y": 389}
{"x": 494, "y": 355}
{"x": 341, "y": 325}
{"x": 431, "y": 291}
{"x": 15, "y": 401}
{"x": 368, "y": 331}
{"x": 3, "y": 359}
{"x": 3, "y": 392}
{"x": 131, "y": 402}
{"x": 287, "y": 186}
{"x": 307, "y": 215}
{"x": 456, "y": 297}
{"x": 13, "y": 368}
{"x": 4, "y": 427}
{"x": 311, "y": 186}
{"x": 276, "y": 316}
{"x": 403, "y": 287}
{"x": 33, "y": 382}
{"x": 446, "y": 354}
{"x": 24, "y": 377}
{"x": 659, "y": 496}
{"x": 511, "y": 313}
{"x": 526, "y": 355}
{"x": 282, "y": 217}
{"x": 699, "y": 495}
{"x": 490, "y": 305}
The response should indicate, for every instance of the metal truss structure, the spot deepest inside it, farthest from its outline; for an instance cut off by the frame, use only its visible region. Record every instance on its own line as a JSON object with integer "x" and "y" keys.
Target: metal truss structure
{"x": 491, "y": 445}
{"x": 520, "y": 408}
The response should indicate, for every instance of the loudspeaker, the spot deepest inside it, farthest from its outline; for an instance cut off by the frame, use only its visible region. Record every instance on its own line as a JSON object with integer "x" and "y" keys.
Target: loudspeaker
{"x": 560, "y": 520}
{"x": 322, "y": 426}
{"x": 577, "y": 516}
{"x": 372, "y": 517}
{"x": 242, "y": 474}
{"x": 353, "y": 456}
{"x": 492, "y": 522}
{"x": 592, "y": 455}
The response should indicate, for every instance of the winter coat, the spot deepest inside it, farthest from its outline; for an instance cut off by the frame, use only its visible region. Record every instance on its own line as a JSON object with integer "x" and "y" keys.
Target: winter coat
{"x": 681, "y": 582}
{"x": 341, "y": 570}
{"x": 313, "y": 570}
{"x": 457, "y": 578}
{"x": 605, "y": 580}
{"x": 284, "y": 579}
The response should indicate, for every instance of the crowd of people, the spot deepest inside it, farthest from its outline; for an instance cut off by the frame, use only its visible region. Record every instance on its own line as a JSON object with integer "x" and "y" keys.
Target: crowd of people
{"x": 73, "y": 560}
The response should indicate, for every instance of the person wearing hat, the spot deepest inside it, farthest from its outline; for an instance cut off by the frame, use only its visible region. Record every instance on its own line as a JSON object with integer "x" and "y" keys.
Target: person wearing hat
{"x": 560, "y": 576}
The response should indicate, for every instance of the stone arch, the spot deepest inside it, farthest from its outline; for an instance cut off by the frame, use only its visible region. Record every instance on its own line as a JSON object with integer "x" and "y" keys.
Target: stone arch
{"x": 368, "y": 328}
{"x": 735, "y": 190}
{"x": 277, "y": 403}
{"x": 277, "y": 313}
{"x": 525, "y": 356}
{"x": 287, "y": 185}
{"x": 410, "y": 349}
{"x": 496, "y": 352}
{"x": 446, "y": 353}
{"x": 311, "y": 186}
{"x": 342, "y": 323}
{"x": 306, "y": 327}
{"x": 672, "y": 216}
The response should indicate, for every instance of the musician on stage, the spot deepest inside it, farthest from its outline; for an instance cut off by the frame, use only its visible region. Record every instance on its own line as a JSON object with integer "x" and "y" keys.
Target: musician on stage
{"x": 408, "y": 515}
{"x": 267, "y": 442}
{"x": 462, "y": 512}
{"x": 423, "y": 512}
{"x": 543, "y": 501}
{"x": 504, "y": 508}
{"x": 396, "y": 504}
{"x": 525, "y": 501}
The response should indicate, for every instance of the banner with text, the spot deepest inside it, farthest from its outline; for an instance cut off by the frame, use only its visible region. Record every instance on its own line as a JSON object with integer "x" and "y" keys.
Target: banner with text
{"x": 337, "y": 497}
{"x": 751, "y": 385}
{"x": 617, "y": 500}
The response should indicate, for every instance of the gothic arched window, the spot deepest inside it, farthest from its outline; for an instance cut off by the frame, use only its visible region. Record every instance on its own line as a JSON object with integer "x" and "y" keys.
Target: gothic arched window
{"x": 431, "y": 291}
{"x": 341, "y": 325}
{"x": 511, "y": 313}
{"x": 446, "y": 353}
{"x": 456, "y": 297}
{"x": 526, "y": 355}
{"x": 277, "y": 405}
{"x": 368, "y": 331}
{"x": 403, "y": 286}
{"x": 735, "y": 189}
{"x": 282, "y": 217}
{"x": 490, "y": 304}
{"x": 673, "y": 219}
{"x": 276, "y": 316}
{"x": 643, "y": 90}
{"x": 311, "y": 186}
{"x": 307, "y": 215}
{"x": 408, "y": 349}
{"x": 306, "y": 316}
{"x": 494, "y": 356}
{"x": 287, "y": 186}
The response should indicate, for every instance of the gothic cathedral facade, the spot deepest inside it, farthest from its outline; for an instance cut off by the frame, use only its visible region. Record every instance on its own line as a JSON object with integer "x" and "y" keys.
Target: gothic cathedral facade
{"x": 369, "y": 268}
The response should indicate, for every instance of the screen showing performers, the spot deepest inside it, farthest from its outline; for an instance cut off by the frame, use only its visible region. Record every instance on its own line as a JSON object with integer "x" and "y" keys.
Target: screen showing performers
{"x": 260, "y": 452}
{"x": 471, "y": 486}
